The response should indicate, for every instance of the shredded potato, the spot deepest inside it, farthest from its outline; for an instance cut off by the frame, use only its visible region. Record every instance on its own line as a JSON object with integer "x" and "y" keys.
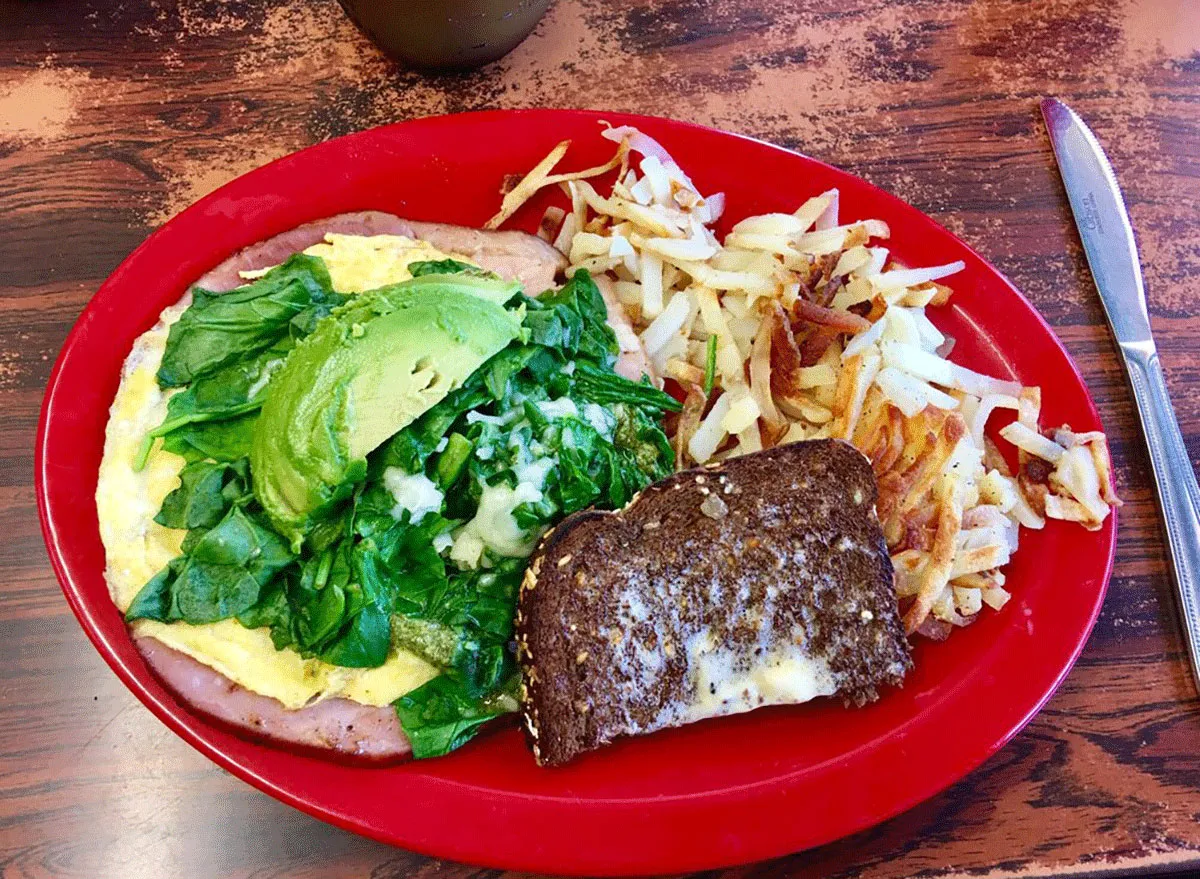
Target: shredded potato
{"x": 818, "y": 332}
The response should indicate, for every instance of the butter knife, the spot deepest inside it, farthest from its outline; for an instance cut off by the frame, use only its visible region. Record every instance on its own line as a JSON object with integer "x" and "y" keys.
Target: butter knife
{"x": 1112, "y": 256}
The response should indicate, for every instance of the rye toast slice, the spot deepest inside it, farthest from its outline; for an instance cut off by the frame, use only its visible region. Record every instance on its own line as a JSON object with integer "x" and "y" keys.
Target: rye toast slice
{"x": 762, "y": 580}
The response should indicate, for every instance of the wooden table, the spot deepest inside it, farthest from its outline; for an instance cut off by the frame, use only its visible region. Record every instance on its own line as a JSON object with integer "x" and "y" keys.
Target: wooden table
{"x": 113, "y": 116}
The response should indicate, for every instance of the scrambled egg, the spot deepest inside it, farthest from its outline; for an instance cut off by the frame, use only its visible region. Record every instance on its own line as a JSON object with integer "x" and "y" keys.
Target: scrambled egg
{"x": 137, "y": 547}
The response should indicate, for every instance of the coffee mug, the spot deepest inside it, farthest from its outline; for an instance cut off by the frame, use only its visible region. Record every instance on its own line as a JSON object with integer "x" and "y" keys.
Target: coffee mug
{"x": 446, "y": 34}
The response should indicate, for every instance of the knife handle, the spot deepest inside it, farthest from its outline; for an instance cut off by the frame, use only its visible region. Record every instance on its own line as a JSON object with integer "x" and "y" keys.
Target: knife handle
{"x": 1175, "y": 482}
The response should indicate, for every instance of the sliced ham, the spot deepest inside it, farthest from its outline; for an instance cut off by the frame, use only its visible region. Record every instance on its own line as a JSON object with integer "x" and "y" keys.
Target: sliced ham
{"x": 516, "y": 255}
{"x": 511, "y": 255}
{"x": 275, "y": 250}
{"x": 348, "y": 728}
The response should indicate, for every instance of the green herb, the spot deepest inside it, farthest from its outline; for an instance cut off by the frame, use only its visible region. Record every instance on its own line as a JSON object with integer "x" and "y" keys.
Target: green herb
{"x": 710, "y": 365}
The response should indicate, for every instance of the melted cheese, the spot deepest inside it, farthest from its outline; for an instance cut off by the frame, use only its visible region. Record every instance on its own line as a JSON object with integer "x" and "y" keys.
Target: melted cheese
{"x": 729, "y": 682}
{"x": 137, "y": 547}
{"x": 414, "y": 492}
{"x": 494, "y": 526}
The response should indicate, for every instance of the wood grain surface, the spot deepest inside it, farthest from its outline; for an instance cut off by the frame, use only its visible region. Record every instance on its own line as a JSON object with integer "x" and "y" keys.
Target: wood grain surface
{"x": 114, "y": 115}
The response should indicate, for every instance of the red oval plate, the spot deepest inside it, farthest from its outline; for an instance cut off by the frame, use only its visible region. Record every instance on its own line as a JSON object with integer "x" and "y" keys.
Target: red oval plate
{"x": 717, "y": 793}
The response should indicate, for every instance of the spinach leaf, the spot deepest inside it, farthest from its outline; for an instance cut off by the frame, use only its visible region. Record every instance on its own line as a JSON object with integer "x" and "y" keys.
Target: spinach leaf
{"x": 220, "y": 575}
{"x": 365, "y": 644}
{"x": 319, "y": 597}
{"x": 206, "y": 491}
{"x": 573, "y": 322}
{"x": 453, "y": 460}
{"x": 372, "y": 515}
{"x": 206, "y": 593}
{"x": 484, "y": 614}
{"x": 448, "y": 267}
{"x": 578, "y": 483}
{"x": 538, "y": 365}
{"x": 226, "y": 440}
{"x": 410, "y": 448}
{"x": 443, "y": 715}
{"x": 154, "y": 601}
{"x": 229, "y": 390}
{"x": 220, "y": 329}
{"x": 214, "y": 416}
{"x": 227, "y": 567}
{"x": 402, "y": 563}
{"x": 319, "y": 609}
{"x": 205, "y": 409}
{"x": 273, "y": 611}
{"x": 496, "y": 374}
{"x": 602, "y": 386}
{"x": 358, "y": 628}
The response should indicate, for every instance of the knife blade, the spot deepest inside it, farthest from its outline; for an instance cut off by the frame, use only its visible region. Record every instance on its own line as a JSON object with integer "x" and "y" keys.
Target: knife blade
{"x": 1112, "y": 256}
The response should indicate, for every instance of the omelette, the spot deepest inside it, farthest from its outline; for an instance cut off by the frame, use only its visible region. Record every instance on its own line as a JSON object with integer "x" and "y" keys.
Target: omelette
{"x": 235, "y": 673}
{"x": 230, "y": 672}
{"x": 137, "y": 547}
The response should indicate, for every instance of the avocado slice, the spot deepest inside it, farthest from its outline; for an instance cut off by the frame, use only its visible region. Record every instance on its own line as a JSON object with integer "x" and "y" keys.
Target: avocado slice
{"x": 367, "y": 371}
{"x": 485, "y": 286}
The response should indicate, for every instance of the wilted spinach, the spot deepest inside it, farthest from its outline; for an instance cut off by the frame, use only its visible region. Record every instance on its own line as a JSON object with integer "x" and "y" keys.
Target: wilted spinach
{"x": 548, "y": 408}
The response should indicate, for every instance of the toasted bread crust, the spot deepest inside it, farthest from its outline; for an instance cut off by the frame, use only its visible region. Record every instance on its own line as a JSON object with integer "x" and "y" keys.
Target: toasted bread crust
{"x": 776, "y": 551}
